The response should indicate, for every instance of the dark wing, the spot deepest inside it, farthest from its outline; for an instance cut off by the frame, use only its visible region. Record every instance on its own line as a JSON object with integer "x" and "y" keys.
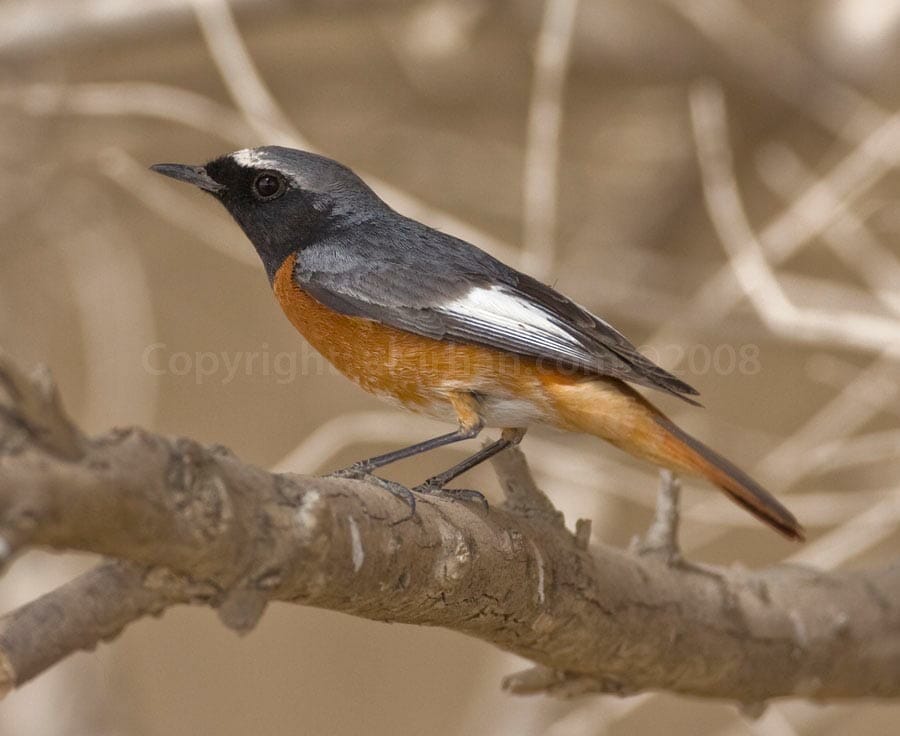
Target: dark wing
{"x": 601, "y": 340}
{"x": 468, "y": 296}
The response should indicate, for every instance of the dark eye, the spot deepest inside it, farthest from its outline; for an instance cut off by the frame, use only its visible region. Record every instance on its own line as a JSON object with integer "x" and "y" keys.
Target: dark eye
{"x": 268, "y": 185}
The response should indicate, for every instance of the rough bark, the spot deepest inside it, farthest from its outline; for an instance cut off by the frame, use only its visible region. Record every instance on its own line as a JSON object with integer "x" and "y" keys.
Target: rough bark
{"x": 183, "y": 523}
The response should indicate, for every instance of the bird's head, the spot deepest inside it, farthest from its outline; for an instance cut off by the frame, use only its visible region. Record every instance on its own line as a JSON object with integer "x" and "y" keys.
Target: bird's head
{"x": 283, "y": 199}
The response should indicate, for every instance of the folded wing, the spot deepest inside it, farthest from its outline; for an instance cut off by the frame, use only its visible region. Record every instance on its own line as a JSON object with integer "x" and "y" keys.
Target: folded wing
{"x": 471, "y": 297}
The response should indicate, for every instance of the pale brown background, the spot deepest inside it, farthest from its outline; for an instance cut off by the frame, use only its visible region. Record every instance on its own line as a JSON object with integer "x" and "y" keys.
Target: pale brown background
{"x": 101, "y": 260}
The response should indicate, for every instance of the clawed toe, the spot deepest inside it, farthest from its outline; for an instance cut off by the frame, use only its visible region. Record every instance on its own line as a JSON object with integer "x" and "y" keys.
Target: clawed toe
{"x": 356, "y": 472}
{"x": 359, "y": 471}
{"x": 396, "y": 489}
{"x": 454, "y": 494}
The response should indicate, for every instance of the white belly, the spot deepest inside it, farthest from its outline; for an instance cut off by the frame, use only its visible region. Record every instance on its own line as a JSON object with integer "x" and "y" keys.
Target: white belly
{"x": 496, "y": 410}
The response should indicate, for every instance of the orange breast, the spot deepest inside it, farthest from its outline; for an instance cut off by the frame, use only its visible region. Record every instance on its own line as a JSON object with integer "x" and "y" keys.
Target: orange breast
{"x": 417, "y": 371}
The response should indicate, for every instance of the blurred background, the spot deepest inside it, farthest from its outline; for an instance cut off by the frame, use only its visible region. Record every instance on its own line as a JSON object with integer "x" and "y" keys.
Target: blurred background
{"x": 715, "y": 177}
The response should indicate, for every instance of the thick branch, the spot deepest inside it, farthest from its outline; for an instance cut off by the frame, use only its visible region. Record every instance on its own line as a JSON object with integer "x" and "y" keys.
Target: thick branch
{"x": 188, "y": 523}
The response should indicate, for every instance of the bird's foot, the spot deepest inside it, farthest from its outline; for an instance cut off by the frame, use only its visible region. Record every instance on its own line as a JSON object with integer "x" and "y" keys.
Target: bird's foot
{"x": 357, "y": 471}
{"x": 454, "y": 494}
{"x": 361, "y": 471}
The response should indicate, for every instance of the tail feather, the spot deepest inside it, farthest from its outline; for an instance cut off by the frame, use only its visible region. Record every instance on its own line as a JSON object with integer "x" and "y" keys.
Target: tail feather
{"x": 615, "y": 412}
{"x": 739, "y": 486}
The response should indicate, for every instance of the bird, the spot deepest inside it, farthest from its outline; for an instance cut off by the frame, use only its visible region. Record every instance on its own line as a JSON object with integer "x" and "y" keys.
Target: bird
{"x": 433, "y": 324}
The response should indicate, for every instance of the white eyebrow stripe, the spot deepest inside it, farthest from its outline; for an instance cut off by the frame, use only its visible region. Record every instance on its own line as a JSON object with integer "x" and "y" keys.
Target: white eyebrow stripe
{"x": 254, "y": 158}
{"x": 251, "y": 157}
{"x": 509, "y": 314}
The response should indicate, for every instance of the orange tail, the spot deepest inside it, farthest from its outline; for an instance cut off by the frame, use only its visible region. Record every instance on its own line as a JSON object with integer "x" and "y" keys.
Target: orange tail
{"x": 611, "y": 410}
{"x": 739, "y": 486}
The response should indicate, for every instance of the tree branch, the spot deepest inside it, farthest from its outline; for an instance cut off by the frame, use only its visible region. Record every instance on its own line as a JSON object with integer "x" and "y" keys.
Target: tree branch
{"x": 662, "y": 536}
{"x": 187, "y": 523}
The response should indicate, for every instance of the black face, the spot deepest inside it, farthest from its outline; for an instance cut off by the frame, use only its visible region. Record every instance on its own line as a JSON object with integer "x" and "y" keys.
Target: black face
{"x": 278, "y": 217}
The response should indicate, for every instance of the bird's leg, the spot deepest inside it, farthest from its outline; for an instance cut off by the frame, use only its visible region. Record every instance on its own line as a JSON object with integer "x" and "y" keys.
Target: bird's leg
{"x": 435, "y": 484}
{"x": 470, "y": 425}
{"x": 466, "y": 407}
{"x": 363, "y": 468}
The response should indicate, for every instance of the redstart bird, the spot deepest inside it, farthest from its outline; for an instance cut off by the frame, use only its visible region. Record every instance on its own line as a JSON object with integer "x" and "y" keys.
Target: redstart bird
{"x": 433, "y": 324}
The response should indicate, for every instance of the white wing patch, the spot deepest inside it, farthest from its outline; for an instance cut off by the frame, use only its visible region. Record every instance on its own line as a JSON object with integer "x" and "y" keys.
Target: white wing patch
{"x": 496, "y": 306}
{"x": 498, "y": 311}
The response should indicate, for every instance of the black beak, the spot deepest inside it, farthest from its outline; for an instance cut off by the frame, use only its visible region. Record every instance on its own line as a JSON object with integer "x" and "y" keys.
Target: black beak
{"x": 195, "y": 175}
